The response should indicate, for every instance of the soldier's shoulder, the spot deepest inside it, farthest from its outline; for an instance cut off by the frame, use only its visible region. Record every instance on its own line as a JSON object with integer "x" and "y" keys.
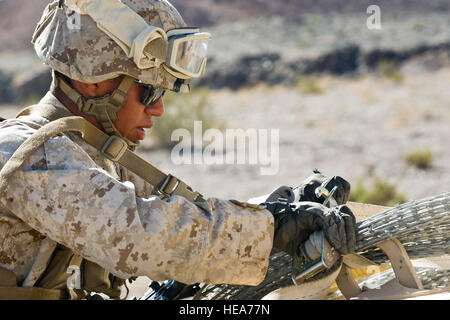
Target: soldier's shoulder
{"x": 58, "y": 152}
{"x": 15, "y": 131}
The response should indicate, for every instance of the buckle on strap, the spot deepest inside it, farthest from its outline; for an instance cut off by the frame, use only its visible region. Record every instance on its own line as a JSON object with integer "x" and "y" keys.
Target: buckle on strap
{"x": 168, "y": 186}
{"x": 88, "y": 107}
{"x": 173, "y": 186}
{"x": 114, "y": 148}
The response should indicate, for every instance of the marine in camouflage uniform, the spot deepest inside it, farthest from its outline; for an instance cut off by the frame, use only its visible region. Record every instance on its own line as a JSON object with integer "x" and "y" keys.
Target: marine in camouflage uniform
{"x": 69, "y": 205}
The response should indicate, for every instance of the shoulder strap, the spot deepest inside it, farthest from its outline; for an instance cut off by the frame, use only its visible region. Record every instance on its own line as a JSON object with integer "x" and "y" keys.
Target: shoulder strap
{"x": 47, "y": 111}
{"x": 10, "y": 291}
{"x": 113, "y": 147}
{"x": 31, "y": 293}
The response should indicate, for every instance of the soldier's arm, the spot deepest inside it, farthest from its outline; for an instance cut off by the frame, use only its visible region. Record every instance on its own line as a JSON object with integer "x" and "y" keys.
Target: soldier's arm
{"x": 102, "y": 219}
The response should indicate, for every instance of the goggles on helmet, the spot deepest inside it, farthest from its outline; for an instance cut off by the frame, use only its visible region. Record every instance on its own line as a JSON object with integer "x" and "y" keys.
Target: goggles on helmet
{"x": 151, "y": 94}
{"x": 186, "y": 54}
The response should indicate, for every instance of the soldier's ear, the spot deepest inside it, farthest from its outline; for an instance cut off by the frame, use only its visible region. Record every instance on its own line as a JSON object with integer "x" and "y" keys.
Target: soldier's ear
{"x": 87, "y": 90}
{"x": 91, "y": 89}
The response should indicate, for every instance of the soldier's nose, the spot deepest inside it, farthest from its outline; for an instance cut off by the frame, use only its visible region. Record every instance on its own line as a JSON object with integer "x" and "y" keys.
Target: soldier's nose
{"x": 156, "y": 109}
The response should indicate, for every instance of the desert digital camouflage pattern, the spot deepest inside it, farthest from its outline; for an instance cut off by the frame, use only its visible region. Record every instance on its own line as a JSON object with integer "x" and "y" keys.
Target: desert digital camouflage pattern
{"x": 83, "y": 52}
{"x": 69, "y": 193}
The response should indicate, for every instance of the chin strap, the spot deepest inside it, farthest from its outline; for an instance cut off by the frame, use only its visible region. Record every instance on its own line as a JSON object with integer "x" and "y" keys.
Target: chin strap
{"x": 104, "y": 108}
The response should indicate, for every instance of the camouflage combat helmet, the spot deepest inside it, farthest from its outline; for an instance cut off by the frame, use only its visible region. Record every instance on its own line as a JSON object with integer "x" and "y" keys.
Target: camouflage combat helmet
{"x": 141, "y": 40}
{"x": 80, "y": 50}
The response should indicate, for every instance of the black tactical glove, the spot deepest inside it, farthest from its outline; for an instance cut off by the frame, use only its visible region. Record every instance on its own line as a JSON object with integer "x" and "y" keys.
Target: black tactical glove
{"x": 306, "y": 191}
{"x": 284, "y": 192}
{"x": 295, "y": 222}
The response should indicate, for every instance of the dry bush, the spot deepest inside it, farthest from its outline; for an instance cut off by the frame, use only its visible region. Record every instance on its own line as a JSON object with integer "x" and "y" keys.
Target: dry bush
{"x": 380, "y": 193}
{"x": 181, "y": 110}
{"x": 309, "y": 85}
{"x": 390, "y": 70}
{"x": 421, "y": 159}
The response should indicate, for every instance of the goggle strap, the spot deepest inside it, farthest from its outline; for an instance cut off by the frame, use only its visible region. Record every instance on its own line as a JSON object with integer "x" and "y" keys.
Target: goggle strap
{"x": 158, "y": 49}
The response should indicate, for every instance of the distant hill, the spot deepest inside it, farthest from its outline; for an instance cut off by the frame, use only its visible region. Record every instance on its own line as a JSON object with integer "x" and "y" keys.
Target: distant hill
{"x": 19, "y": 17}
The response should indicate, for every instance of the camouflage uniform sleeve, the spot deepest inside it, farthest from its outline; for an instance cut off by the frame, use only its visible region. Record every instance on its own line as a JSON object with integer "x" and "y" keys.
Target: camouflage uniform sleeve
{"x": 84, "y": 208}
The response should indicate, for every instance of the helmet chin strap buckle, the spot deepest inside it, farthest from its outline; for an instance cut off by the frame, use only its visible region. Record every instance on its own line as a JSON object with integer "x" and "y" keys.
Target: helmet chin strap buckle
{"x": 103, "y": 108}
{"x": 88, "y": 107}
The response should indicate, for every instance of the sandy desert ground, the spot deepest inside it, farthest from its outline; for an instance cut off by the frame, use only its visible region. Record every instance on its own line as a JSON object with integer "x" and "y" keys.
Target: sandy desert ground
{"x": 359, "y": 128}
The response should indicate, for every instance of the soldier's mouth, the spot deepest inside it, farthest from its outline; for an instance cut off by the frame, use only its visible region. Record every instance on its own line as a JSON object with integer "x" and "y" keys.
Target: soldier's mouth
{"x": 141, "y": 131}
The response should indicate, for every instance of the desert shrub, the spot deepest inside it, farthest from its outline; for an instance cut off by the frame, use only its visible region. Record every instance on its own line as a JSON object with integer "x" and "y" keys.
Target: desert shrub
{"x": 309, "y": 85}
{"x": 390, "y": 70}
{"x": 421, "y": 159}
{"x": 380, "y": 193}
{"x": 181, "y": 110}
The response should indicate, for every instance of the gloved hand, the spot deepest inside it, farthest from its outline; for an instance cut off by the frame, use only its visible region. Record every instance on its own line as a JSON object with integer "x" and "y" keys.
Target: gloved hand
{"x": 294, "y": 222}
{"x": 306, "y": 190}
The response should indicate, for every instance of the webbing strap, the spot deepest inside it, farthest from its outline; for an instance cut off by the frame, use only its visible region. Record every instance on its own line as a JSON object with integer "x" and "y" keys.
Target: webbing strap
{"x": 72, "y": 94}
{"x": 46, "y": 111}
{"x": 311, "y": 290}
{"x": 102, "y": 111}
{"x": 112, "y": 147}
{"x": 32, "y": 293}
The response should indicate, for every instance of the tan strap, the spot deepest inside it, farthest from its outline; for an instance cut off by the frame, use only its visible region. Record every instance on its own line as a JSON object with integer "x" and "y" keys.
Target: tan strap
{"x": 46, "y": 111}
{"x": 7, "y": 278}
{"x": 104, "y": 108}
{"x": 112, "y": 147}
{"x": 10, "y": 291}
{"x": 118, "y": 97}
{"x": 393, "y": 290}
{"x": 72, "y": 94}
{"x": 33, "y": 293}
{"x": 356, "y": 261}
{"x": 401, "y": 264}
{"x": 403, "y": 268}
{"x": 311, "y": 290}
{"x": 347, "y": 283}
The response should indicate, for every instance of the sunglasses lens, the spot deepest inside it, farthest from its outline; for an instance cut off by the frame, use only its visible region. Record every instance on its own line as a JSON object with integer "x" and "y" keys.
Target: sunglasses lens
{"x": 151, "y": 95}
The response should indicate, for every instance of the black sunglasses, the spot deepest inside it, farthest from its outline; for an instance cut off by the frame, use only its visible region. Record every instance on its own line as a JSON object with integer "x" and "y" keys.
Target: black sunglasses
{"x": 151, "y": 94}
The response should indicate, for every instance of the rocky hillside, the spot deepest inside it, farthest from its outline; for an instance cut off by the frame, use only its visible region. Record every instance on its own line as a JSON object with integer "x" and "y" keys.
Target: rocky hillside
{"x": 211, "y": 12}
{"x": 278, "y": 49}
{"x": 19, "y": 17}
{"x": 254, "y": 41}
